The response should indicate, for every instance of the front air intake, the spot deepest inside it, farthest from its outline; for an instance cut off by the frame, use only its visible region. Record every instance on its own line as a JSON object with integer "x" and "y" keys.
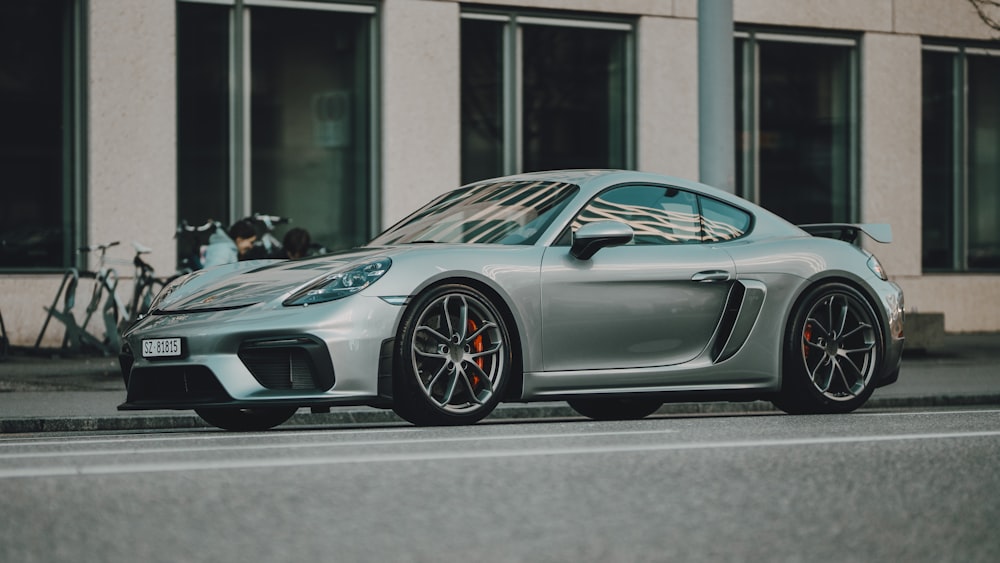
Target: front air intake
{"x": 289, "y": 364}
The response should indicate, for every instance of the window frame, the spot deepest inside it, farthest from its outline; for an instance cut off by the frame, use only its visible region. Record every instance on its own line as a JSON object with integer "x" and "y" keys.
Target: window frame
{"x": 511, "y": 88}
{"x": 960, "y": 177}
{"x": 73, "y": 106}
{"x": 748, "y": 160}
{"x": 240, "y": 91}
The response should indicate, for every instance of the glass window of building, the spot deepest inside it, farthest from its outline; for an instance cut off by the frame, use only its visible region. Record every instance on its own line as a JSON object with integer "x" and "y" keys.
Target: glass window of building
{"x": 541, "y": 93}
{"x": 275, "y": 115}
{"x": 40, "y": 133}
{"x": 797, "y": 125}
{"x": 961, "y": 158}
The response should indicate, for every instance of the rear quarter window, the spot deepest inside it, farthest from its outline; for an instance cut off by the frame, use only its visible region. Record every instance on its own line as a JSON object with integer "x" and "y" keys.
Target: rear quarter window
{"x": 722, "y": 222}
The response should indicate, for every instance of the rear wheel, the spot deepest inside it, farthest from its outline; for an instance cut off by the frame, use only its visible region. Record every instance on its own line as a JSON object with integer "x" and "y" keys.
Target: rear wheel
{"x": 453, "y": 358}
{"x": 246, "y": 419}
{"x": 832, "y": 352}
{"x": 616, "y": 408}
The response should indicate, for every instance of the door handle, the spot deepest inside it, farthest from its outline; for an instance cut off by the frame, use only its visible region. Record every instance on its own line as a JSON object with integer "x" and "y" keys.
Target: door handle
{"x": 711, "y": 276}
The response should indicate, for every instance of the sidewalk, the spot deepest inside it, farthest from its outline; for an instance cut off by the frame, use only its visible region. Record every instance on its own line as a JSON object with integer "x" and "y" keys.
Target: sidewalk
{"x": 42, "y": 392}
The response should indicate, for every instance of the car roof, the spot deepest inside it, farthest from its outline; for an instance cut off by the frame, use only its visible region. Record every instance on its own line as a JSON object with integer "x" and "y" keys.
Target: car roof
{"x": 595, "y": 180}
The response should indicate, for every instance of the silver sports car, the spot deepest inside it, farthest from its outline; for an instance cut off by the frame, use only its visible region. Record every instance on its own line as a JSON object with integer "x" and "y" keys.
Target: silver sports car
{"x": 615, "y": 291}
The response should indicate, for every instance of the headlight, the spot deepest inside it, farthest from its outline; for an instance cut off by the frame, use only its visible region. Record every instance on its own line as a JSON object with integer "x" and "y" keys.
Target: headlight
{"x": 876, "y": 267}
{"x": 340, "y": 284}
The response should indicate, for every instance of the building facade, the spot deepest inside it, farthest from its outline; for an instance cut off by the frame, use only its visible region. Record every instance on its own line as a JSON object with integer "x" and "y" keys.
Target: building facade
{"x": 122, "y": 118}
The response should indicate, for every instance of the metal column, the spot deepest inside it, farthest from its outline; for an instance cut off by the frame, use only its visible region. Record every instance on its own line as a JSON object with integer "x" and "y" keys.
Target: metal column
{"x": 716, "y": 110}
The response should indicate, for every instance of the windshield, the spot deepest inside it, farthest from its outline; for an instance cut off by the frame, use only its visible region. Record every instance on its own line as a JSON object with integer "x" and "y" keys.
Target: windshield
{"x": 515, "y": 212}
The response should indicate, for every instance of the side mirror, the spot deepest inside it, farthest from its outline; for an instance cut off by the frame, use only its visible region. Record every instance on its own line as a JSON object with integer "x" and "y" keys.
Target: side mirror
{"x": 590, "y": 238}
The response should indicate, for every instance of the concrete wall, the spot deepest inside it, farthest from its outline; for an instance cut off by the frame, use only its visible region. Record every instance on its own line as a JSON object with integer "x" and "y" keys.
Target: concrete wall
{"x": 420, "y": 99}
{"x": 667, "y": 120}
{"x": 132, "y": 125}
{"x": 890, "y": 145}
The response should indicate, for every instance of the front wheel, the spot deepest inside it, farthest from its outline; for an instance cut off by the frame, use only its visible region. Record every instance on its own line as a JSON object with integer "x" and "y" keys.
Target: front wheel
{"x": 833, "y": 350}
{"x": 616, "y": 408}
{"x": 453, "y": 358}
{"x": 246, "y": 419}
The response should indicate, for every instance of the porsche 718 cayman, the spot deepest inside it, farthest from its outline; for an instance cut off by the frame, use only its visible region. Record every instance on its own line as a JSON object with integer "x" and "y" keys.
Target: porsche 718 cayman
{"x": 613, "y": 290}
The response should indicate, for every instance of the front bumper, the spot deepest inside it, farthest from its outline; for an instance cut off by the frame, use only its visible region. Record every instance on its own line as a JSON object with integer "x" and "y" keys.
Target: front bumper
{"x": 321, "y": 355}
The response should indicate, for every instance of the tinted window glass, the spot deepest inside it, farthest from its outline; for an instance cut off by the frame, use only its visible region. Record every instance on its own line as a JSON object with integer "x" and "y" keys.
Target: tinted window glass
{"x": 544, "y": 93}
{"x": 573, "y": 98}
{"x": 961, "y": 161}
{"x": 301, "y": 147}
{"x": 939, "y": 163}
{"x": 796, "y": 136}
{"x": 490, "y": 213}
{"x": 36, "y": 134}
{"x": 721, "y": 221}
{"x": 658, "y": 215}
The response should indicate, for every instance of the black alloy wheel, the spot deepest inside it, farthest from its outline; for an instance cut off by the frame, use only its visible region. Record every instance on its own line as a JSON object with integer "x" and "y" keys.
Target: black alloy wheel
{"x": 833, "y": 351}
{"x": 453, "y": 357}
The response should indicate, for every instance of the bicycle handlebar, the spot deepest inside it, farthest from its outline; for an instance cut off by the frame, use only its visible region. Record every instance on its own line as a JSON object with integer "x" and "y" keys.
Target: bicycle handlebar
{"x": 184, "y": 227}
{"x": 101, "y": 247}
{"x": 270, "y": 220}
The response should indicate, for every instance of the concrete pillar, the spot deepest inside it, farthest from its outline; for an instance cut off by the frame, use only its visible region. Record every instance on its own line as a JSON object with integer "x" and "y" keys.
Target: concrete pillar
{"x": 421, "y": 121}
{"x": 667, "y": 123}
{"x": 891, "y": 145}
{"x": 132, "y": 128}
{"x": 716, "y": 109}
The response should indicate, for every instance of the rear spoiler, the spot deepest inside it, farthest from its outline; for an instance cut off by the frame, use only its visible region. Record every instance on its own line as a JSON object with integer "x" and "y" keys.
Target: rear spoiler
{"x": 848, "y": 232}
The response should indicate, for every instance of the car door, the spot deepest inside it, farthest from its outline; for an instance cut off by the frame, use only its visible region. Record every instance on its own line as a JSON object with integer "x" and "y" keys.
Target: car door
{"x": 653, "y": 302}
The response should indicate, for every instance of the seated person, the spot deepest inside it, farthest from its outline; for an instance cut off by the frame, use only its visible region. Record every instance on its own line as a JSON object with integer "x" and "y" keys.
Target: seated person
{"x": 296, "y": 243}
{"x": 226, "y": 247}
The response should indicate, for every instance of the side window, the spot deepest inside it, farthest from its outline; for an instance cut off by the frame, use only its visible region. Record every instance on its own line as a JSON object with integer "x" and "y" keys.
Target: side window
{"x": 658, "y": 215}
{"x": 723, "y": 222}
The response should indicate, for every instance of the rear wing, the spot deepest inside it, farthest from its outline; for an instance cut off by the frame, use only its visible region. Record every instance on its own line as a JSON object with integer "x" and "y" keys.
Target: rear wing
{"x": 849, "y": 232}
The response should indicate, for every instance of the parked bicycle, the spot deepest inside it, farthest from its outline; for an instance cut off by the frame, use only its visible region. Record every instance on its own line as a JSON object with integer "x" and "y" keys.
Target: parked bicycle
{"x": 145, "y": 287}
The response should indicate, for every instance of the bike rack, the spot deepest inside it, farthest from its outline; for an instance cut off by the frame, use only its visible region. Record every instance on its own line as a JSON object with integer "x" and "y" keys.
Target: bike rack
{"x": 76, "y": 336}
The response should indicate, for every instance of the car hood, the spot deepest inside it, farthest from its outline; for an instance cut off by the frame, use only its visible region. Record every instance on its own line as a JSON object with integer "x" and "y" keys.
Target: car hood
{"x": 243, "y": 284}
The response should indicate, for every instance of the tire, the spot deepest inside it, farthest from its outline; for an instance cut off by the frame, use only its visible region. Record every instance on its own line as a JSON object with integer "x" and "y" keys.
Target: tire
{"x": 832, "y": 352}
{"x": 616, "y": 408}
{"x": 452, "y": 359}
{"x": 246, "y": 419}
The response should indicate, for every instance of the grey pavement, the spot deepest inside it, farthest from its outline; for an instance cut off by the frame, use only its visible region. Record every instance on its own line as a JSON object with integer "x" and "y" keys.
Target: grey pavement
{"x": 41, "y": 391}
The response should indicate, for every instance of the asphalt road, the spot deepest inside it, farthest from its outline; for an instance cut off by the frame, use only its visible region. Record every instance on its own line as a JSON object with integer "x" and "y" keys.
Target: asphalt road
{"x": 896, "y": 485}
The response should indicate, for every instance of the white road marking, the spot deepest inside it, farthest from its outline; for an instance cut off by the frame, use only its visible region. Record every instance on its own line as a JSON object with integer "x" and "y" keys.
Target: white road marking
{"x": 325, "y": 444}
{"x": 211, "y": 434}
{"x": 123, "y": 469}
{"x": 924, "y": 413}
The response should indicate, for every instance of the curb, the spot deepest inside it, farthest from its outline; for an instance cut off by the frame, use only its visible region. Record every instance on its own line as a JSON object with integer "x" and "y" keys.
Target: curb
{"x": 348, "y": 416}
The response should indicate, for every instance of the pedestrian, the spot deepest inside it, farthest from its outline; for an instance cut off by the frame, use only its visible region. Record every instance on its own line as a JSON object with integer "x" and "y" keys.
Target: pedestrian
{"x": 226, "y": 247}
{"x": 296, "y": 243}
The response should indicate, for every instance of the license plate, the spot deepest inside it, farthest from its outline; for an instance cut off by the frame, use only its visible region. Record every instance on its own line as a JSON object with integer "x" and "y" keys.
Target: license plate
{"x": 161, "y": 347}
